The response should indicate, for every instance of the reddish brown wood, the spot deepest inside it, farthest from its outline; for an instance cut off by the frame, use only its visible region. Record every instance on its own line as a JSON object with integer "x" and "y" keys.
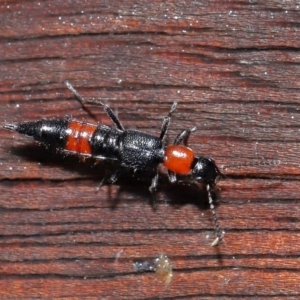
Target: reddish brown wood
{"x": 234, "y": 68}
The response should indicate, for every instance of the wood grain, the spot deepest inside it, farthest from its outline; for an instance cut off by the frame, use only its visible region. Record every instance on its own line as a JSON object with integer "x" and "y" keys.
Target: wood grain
{"x": 233, "y": 66}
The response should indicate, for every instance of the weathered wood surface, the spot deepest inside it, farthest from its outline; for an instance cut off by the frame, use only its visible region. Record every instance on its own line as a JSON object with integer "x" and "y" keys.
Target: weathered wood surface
{"x": 234, "y": 68}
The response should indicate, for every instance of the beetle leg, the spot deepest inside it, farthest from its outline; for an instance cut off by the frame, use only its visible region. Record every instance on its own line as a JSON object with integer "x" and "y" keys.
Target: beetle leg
{"x": 172, "y": 177}
{"x": 166, "y": 121}
{"x": 110, "y": 178}
{"x": 106, "y": 108}
{"x": 183, "y": 135}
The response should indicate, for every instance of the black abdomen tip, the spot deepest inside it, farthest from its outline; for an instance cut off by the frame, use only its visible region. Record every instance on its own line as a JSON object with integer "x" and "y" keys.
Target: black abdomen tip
{"x": 10, "y": 126}
{"x": 48, "y": 132}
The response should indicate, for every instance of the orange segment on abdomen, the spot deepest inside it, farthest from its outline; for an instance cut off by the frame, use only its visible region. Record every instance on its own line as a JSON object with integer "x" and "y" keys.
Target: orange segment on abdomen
{"x": 79, "y": 135}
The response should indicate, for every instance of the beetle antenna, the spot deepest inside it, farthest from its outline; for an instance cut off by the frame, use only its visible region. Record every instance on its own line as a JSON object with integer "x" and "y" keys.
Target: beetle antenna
{"x": 218, "y": 231}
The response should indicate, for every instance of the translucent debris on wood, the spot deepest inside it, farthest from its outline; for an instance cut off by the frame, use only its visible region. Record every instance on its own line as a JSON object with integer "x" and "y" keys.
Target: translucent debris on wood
{"x": 161, "y": 265}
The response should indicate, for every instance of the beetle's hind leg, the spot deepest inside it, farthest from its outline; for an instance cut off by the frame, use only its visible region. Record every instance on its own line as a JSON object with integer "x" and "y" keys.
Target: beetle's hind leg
{"x": 110, "y": 178}
{"x": 106, "y": 108}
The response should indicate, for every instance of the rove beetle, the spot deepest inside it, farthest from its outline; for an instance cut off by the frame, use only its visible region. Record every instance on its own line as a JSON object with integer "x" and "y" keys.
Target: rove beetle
{"x": 129, "y": 148}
